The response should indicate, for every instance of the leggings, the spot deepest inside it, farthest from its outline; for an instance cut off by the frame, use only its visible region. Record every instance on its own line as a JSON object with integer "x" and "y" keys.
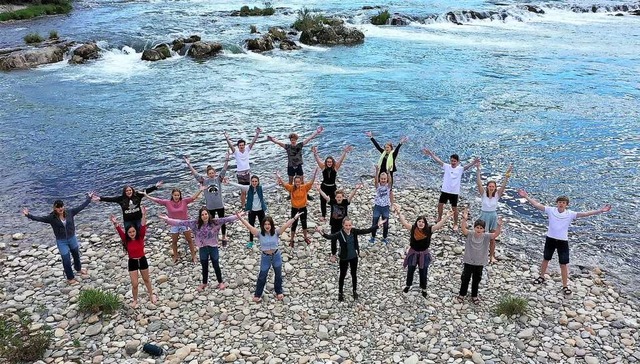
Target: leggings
{"x": 330, "y": 191}
{"x": 206, "y": 253}
{"x": 220, "y": 212}
{"x": 303, "y": 219}
{"x": 353, "y": 265}
{"x": 252, "y": 220}
{"x": 468, "y": 272}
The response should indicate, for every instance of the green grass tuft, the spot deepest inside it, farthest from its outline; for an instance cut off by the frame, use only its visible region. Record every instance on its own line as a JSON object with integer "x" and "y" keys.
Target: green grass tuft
{"x": 309, "y": 19}
{"x": 32, "y": 11}
{"x": 33, "y": 38}
{"x": 19, "y": 343}
{"x": 53, "y": 34}
{"x": 381, "y": 18}
{"x": 95, "y": 300}
{"x": 510, "y": 305}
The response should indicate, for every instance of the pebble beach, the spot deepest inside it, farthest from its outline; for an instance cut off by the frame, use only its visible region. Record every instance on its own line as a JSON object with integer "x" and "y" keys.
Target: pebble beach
{"x": 596, "y": 324}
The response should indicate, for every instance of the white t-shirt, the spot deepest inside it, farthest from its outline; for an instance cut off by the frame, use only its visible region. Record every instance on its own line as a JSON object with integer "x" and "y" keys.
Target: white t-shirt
{"x": 489, "y": 204}
{"x": 451, "y": 179}
{"x": 559, "y": 222}
{"x": 242, "y": 159}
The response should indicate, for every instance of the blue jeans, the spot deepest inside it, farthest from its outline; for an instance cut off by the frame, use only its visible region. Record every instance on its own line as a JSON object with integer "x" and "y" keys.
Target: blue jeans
{"x": 206, "y": 253}
{"x": 266, "y": 262}
{"x": 66, "y": 246}
{"x": 380, "y": 211}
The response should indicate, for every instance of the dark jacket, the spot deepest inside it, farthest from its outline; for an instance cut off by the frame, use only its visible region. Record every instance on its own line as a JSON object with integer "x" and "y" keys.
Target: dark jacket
{"x": 383, "y": 167}
{"x": 60, "y": 230}
{"x": 131, "y": 210}
{"x": 340, "y": 236}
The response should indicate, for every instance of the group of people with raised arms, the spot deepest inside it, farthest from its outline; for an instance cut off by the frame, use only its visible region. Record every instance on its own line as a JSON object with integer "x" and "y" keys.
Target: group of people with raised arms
{"x": 202, "y": 234}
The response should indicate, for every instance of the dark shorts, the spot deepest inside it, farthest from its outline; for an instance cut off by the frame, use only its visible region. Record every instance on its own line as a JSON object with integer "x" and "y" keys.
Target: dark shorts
{"x": 295, "y": 171}
{"x": 562, "y": 246}
{"x": 448, "y": 197}
{"x": 138, "y": 264}
{"x": 244, "y": 177}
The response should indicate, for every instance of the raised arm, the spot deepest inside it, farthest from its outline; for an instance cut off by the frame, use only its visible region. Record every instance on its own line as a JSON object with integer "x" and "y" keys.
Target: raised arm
{"x": 433, "y": 156}
{"x": 375, "y": 143}
{"x": 201, "y": 188}
{"x": 243, "y": 188}
{"x": 226, "y": 164}
{"x": 143, "y": 222}
{"x": 397, "y": 149}
{"x": 159, "y": 201}
{"x": 289, "y": 222}
{"x": 315, "y": 134}
{"x": 188, "y": 161}
{"x": 46, "y": 218}
{"x": 479, "y": 179}
{"x": 118, "y": 228}
{"x": 252, "y": 230}
{"x": 605, "y": 208}
{"x": 314, "y": 149}
{"x": 405, "y": 224}
{"x": 503, "y": 186}
{"x": 376, "y": 175}
{"x": 440, "y": 224}
{"x": 533, "y": 202}
{"x": 353, "y": 193}
{"x": 472, "y": 163}
{"x": 87, "y": 201}
{"x": 229, "y": 143}
{"x": 255, "y": 138}
{"x": 276, "y": 141}
{"x": 346, "y": 150}
{"x": 498, "y": 230}
{"x": 463, "y": 222}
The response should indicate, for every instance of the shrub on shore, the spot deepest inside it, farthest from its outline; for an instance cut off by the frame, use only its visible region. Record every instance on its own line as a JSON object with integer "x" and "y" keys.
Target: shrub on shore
{"x": 33, "y": 38}
{"x": 53, "y": 34}
{"x": 510, "y": 305}
{"x": 38, "y": 8}
{"x": 381, "y": 18}
{"x": 19, "y": 343}
{"x": 95, "y": 300}
{"x": 256, "y": 11}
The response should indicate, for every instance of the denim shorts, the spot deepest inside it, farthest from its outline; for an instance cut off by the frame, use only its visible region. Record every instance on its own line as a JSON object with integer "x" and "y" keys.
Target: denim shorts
{"x": 178, "y": 229}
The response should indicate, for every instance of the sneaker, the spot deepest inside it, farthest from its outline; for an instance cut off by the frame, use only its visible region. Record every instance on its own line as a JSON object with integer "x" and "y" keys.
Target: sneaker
{"x": 340, "y": 297}
{"x": 424, "y": 293}
{"x": 372, "y": 240}
{"x": 288, "y": 197}
{"x": 385, "y": 241}
{"x": 355, "y": 296}
{"x": 249, "y": 245}
{"x": 291, "y": 244}
{"x": 309, "y": 197}
{"x": 406, "y": 289}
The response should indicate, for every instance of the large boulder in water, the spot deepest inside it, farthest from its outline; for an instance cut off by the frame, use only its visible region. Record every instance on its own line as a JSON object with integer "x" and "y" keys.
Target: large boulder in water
{"x": 84, "y": 53}
{"x": 260, "y": 44}
{"x": 152, "y": 55}
{"x": 289, "y": 45}
{"x": 334, "y": 33}
{"x": 32, "y": 57}
{"x": 202, "y": 49}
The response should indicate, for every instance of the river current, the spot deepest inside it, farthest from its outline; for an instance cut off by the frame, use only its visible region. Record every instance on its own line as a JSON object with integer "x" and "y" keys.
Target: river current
{"x": 555, "y": 94}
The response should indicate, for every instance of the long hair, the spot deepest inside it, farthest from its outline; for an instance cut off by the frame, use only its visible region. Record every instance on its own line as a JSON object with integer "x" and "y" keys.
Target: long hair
{"x": 494, "y": 191}
{"x": 176, "y": 190}
{"x": 333, "y": 165}
{"x": 263, "y": 232}
{"x": 134, "y": 197}
{"x": 200, "y": 221}
{"x": 415, "y": 226}
{"x": 127, "y": 238}
{"x": 59, "y": 203}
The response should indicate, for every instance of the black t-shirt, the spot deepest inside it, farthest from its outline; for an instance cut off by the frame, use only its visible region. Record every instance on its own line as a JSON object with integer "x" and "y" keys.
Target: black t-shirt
{"x": 338, "y": 210}
{"x": 294, "y": 154}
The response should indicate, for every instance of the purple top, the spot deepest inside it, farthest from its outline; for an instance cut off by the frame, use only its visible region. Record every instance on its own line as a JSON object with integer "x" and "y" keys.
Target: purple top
{"x": 207, "y": 235}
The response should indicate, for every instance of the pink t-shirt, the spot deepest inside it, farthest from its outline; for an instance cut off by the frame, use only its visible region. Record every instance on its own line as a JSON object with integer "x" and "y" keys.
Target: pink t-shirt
{"x": 175, "y": 210}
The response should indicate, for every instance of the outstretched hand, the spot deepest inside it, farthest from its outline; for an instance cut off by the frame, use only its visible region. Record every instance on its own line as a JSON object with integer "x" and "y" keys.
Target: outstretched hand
{"x": 605, "y": 208}
{"x": 298, "y": 215}
{"x": 427, "y": 151}
{"x": 465, "y": 213}
{"x": 159, "y": 184}
{"x": 25, "y": 211}
{"x": 186, "y": 159}
{"x": 523, "y": 193}
{"x": 348, "y": 148}
{"x": 163, "y": 217}
{"x": 381, "y": 223}
{"x": 258, "y": 130}
{"x": 319, "y": 130}
{"x": 318, "y": 229}
{"x": 314, "y": 149}
{"x": 369, "y": 134}
{"x": 404, "y": 139}
{"x": 269, "y": 138}
{"x": 113, "y": 220}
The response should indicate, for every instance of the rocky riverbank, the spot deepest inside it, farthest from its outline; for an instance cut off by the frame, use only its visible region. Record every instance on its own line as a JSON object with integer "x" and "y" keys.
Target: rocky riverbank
{"x": 594, "y": 325}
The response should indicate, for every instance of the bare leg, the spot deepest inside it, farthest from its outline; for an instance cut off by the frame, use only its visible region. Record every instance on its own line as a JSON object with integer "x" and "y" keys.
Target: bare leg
{"x": 440, "y": 209}
{"x": 543, "y": 268}
{"x": 455, "y": 218}
{"x": 174, "y": 246}
{"x": 147, "y": 282}
{"x": 492, "y": 251}
{"x": 134, "y": 287}
{"x": 243, "y": 198}
{"x": 192, "y": 247}
{"x": 564, "y": 271}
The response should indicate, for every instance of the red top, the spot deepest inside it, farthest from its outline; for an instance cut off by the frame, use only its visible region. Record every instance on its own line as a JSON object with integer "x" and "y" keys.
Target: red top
{"x": 135, "y": 248}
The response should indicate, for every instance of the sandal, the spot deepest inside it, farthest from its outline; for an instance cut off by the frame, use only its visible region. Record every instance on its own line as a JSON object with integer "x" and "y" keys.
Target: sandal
{"x": 307, "y": 240}
{"x": 475, "y": 300}
{"x": 538, "y": 280}
{"x": 460, "y": 299}
{"x": 566, "y": 291}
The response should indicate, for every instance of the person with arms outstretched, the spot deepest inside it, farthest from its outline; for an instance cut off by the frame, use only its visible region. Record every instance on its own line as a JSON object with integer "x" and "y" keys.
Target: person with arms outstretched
{"x": 490, "y": 196}
{"x": 269, "y": 239}
{"x": 298, "y": 191}
{"x": 133, "y": 244}
{"x": 329, "y": 169}
{"x": 243, "y": 167}
{"x": 213, "y": 192}
{"x": 388, "y": 155}
{"x": 129, "y": 202}
{"x": 339, "y": 205}
{"x": 62, "y": 222}
{"x": 560, "y": 218}
{"x": 451, "y": 180}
